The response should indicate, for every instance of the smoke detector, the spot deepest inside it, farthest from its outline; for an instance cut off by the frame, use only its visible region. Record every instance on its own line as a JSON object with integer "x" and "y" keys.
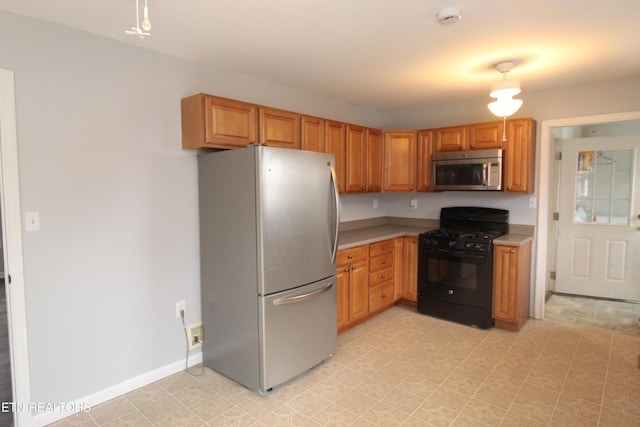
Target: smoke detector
{"x": 449, "y": 15}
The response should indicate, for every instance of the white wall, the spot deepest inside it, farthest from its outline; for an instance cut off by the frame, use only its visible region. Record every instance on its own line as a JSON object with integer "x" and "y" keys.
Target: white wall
{"x": 100, "y": 159}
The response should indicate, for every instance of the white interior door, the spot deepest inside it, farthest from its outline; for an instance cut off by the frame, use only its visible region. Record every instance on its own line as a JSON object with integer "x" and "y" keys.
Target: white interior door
{"x": 599, "y": 208}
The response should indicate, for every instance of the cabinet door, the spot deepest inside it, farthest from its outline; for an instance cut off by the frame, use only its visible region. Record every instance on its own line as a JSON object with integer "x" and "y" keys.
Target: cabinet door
{"x": 312, "y": 135}
{"x": 279, "y": 128}
{"x": 399, "y": 161}
{"x": 483, "y": 136}
{"x": 505, "y": 276}
{"x": 214, "y": 122}
{"x": 398, "y": 266}
{"x": 410, "y": 269}
{"x": 519, "y": 161}
{"x": 453, "y": 138}
{"x": 335, "y": 144}
{"x": 356, "y": 147}
{"x": 358, "y": 291}
{"x": 425, "y": 151}
{"x": 374, "y": 160}
{"x": 342, "y": 281}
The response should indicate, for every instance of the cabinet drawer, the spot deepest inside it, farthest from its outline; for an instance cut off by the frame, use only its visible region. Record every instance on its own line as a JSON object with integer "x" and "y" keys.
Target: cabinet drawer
{"x": 379, "y": 248}
{"x": 381, "y": 262}
{"x": 380, "y": 296}
{"x": 380, "y": 277}
{"x": 347, "y": 256}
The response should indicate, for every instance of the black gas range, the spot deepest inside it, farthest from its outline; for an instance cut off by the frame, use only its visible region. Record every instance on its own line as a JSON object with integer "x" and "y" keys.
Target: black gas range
{"x": 455, "y": 265}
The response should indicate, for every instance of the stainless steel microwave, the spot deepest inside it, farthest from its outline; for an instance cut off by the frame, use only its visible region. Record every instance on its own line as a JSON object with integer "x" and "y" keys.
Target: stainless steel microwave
{"x": 468, "y": 170}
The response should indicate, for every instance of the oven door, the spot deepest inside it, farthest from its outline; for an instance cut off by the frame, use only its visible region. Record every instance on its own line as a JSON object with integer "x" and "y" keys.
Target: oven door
{"x": 455, "y": 278}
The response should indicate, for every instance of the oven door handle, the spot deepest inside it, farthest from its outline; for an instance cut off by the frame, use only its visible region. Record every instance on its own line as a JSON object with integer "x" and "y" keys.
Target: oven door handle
{"x": 429, "y": 251}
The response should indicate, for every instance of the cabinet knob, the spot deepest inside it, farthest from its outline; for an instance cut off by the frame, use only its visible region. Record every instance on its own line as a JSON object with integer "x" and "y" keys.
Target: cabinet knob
{"x": 473, "y": 145}
{"x": 511, "y": 251}
{"x": 384, "y": 262}
{"x": 508, "y": 188}
{"x": 350, "y": 256}
{"x": 411, "y": 188}
{"x": 346, "y": 269}
{"x": 382, "y": 276}
{"x": 383, "y": 295}
{"x": 354, "y": 267}
{"x": 384, "y": 248}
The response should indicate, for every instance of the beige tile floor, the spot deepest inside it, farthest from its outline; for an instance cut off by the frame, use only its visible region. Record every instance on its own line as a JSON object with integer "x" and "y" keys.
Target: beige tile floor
{"x": 403, "y": 368}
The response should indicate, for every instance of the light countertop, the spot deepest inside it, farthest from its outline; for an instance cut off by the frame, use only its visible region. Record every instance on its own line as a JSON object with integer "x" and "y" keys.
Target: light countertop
{"x": 370, "y": 231}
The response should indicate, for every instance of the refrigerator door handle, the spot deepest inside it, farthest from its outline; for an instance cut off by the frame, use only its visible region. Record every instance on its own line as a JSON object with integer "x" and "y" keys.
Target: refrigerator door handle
{"x": 337, "y": 226}
{"x": 304, "y": 297}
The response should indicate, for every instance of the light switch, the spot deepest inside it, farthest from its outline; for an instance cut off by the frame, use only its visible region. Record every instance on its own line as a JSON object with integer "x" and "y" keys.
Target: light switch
{"x": 32, "y": 221}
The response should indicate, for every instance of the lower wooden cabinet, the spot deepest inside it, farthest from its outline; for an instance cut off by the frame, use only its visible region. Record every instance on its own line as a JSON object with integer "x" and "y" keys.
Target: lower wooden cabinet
{"x": 352, "y": 271}
{"x": 511, "y": 285}
{"x": 381, "y": 275}
{"x": 365, "y": 281}
{"x": 410, "y": 269}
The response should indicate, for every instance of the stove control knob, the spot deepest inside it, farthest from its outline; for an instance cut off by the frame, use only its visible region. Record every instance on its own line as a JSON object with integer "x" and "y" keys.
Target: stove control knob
{"x": 479, "y": 246}
{"x": 452, "y": 243}
{"x": 468, "y": 245}
{"x": 450, "y": 291}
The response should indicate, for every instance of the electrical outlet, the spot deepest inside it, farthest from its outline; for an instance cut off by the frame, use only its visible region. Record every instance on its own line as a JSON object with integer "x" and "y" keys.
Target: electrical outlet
{"x": 180, "y": 305}
{"x": 195, "y": 333}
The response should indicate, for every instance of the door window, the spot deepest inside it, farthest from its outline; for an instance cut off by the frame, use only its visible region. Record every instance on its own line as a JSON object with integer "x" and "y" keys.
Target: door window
{"x": 603, "y": 187}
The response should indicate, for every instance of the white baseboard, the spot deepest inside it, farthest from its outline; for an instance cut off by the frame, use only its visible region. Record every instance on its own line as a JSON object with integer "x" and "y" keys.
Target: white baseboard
{"x": 116, "y": 390}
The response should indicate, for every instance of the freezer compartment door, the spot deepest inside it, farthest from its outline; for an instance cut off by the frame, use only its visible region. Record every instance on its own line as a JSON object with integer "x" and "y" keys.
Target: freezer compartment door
{"x": 298, "y": 331}
{"x": 297, "y": 218}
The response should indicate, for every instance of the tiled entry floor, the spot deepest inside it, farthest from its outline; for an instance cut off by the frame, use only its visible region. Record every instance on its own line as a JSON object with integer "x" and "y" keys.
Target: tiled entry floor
{"x": 618, "y": 316}
{"x": 403, "y": 368}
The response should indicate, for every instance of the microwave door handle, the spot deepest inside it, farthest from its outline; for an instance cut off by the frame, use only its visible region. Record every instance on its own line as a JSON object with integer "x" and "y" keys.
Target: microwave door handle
{"x": 485, "y": 172}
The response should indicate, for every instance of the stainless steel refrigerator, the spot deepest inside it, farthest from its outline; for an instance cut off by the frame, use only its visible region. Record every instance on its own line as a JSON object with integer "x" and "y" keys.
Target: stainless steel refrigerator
{"x": 268, "y": 240}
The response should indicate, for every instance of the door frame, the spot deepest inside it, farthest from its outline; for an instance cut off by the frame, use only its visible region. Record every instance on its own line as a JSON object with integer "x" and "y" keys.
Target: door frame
{"x": 12, "y": 253}
{"x": 545, "y": 204}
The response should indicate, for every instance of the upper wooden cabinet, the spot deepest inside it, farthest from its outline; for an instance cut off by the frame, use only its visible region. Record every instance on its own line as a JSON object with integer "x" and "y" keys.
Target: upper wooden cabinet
{"x": 453, "y": 138}
{"x": 214, "y": 122}
{"x": 519, "y": 156}
{"x": 374, "y": 160}
{"x": 312, "y": 135}
{"x": 424, "y": 164}
{"x": 399, "y": 161}
{"x": 335, "y": 144}
{"x": 279, "y": 128}
{"x": 485, "y": 136}
{"x": 356, "y": 159}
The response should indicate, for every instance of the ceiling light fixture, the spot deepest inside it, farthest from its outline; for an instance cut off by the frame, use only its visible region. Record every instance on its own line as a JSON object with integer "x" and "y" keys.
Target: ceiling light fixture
{"x": 146, "y": 24}
{"x": 504, "y": 91}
